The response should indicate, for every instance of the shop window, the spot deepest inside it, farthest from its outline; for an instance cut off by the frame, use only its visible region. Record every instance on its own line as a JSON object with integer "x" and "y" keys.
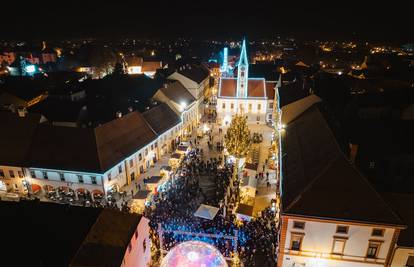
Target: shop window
{"x": 338, "y": 245}
{"x": 378, "y": 232}
{"x": 298, "y": 225}
{"x": 296, "y": 242}
{"x": 342, "y": 229}
{"x": 373, "y": 249}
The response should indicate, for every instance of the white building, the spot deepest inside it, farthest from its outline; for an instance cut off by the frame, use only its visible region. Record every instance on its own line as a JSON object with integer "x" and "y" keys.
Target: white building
{"x": 330, "y": 214}
{"x": 253, "y": 97}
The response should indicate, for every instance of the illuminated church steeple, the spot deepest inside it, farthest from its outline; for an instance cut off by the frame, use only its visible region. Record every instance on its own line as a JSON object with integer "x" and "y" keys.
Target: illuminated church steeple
{"x": 242, "y": 73}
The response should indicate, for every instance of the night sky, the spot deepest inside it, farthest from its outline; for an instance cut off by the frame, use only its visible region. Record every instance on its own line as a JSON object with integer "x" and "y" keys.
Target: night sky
{"x": 370, "y": 20}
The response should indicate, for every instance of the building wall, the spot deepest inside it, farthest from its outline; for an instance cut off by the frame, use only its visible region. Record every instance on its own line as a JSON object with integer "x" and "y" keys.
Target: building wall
{"x": 401, "y": 255}
{"x": 225, "y": 110}
{"x": 71, "y": 179}
{"x": 318, "y": 240}
{"x": 10, "y": 183}
{"x": 138, "y": 253}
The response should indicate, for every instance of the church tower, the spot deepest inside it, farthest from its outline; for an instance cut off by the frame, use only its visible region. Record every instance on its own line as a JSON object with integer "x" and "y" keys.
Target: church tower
{"x": 242, "y": 73}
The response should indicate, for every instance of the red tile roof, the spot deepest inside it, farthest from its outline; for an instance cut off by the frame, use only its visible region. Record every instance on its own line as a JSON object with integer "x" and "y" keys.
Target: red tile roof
{"x": 228, "y": 87}
{"x": 256, "y": 88}
{"x": 270, "y": 89}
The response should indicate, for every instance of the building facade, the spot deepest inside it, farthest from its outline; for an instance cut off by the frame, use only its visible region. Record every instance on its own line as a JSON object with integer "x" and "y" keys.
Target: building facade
{"x": 253, "y": 97}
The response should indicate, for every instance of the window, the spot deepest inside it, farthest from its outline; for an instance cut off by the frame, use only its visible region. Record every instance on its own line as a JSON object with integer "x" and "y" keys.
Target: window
{"x": 152, "y": 147}
{"x": 241, "y": 107}
{"x": 410, "y": 261}
{"x": 341, "y": 229}
{"x": 141, "y": 169}
{"x": 338, "y": 245}
{"x": 45, "y": 175}
{"x": 129, "y": 247}
{"x": 146, "y": 151}
{"x": 231, "y": 106}
{"x": 250, "y": 107}
{"x": 144, "y": 245}
{"x": 20, "y": 173}
{"x": 109, "y": 177}
{"x": 298, "y": 225}
{"x": 62, "y": 176}
{"x": 259, "y": 106}
{"x": 120, "y": 168}
{"x": 131, "y": 163}
{"x": 378, "y": 232}
{"x": 371, "y": 165}
{"x": 296, "y": 241}
{"x": 1, "y": 173}
{"x": 156, "y": 144}
{"x": 258, "y": 118}
{"x": 93, "y": 179}
{"x": 32, "y": 174}
{"x": 136, "y": 234}
{"x": 373, "y": 249}
{"x": 80, "y": 178}
{"x": 270, "y": 104}
{"x": 140, "y": 156}
{"x": 223, "y": 106}
{"x": 11, "y": 173}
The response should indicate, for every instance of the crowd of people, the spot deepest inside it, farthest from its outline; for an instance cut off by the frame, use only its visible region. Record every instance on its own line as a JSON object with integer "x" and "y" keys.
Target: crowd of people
{"x": 174, "y": 213}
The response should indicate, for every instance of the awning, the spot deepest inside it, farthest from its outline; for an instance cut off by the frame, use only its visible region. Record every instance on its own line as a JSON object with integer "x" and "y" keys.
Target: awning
{"x": 206, "y": 212}
{"x": 36, "y": 188}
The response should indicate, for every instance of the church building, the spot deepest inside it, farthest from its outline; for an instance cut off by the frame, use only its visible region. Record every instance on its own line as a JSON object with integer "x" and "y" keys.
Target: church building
{"x": 254, "y": 97}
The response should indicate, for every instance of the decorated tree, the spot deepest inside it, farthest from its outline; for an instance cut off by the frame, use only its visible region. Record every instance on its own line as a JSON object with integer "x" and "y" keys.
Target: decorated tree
{"x": 237, "y": 140}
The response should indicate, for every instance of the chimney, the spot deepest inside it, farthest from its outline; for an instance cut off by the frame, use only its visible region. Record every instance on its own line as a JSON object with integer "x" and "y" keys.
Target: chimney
{"x": 22, "y": 112}
{"x": 118, "y": 114}
{"x": 353, "y": 151}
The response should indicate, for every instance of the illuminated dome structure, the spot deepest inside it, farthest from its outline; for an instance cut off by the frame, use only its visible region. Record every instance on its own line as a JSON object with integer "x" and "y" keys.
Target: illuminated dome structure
{"x": 194, "y": 254}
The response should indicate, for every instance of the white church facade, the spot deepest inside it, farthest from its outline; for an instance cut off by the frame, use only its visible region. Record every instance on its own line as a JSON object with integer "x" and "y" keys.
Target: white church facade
{"x": 253, "y": 97}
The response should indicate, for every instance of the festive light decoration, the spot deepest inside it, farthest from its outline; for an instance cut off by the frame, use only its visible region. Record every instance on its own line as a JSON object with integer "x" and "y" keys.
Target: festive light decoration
{"x": 237, "y": 139}
{"x": 194, "y": 254}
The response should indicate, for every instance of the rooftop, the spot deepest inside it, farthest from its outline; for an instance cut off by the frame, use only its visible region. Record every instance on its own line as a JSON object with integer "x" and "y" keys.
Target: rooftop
{"x": 107, "y": 240}
{"x": 318, "y": 181}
